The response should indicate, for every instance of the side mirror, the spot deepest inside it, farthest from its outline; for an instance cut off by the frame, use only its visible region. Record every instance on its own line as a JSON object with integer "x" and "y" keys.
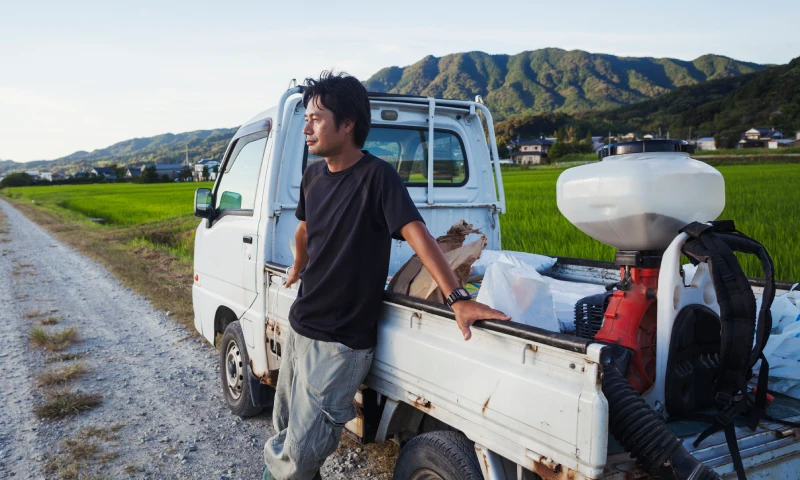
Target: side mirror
{"x": 202, "y": 203}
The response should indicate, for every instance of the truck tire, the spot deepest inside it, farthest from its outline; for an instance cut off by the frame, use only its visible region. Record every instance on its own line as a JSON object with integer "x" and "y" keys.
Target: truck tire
{"x": 233, "y": 361}
{"x": 438, "y": 456}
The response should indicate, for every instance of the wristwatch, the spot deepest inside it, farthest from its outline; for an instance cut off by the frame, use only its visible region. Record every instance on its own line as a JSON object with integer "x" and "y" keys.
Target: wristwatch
{"x": 456, "y": 295}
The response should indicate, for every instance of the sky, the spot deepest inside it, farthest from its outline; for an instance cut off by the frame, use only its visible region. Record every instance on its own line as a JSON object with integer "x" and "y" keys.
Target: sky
{"x": 83, "y": 75}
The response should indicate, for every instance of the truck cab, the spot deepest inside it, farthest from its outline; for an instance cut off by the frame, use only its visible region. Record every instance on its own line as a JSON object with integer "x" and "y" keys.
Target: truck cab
{"x": 514, "y": 402}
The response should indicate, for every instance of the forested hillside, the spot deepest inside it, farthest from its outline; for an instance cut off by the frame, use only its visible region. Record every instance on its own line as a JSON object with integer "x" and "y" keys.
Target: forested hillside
{"x": 724, "y": 108}
{"x": 551, "y": 79}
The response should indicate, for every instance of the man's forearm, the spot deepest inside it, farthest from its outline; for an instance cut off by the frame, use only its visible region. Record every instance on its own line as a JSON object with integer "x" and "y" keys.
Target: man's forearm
{"x": 428, "y": 251}
{"x": 301, "y": 248}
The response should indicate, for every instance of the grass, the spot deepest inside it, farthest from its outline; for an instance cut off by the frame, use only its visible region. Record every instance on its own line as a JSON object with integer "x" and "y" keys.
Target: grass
{"x": 49, "y": 321}
{"x": 83, "y": 451}
{"x": 762, "y": 199}
{"x": 748, "y": 151}
{"x": 53, "y": 341}
{"x": 62, "y": 403}
{"x": 61, "y": 375}
{"x": 150, "y": 233}
{"x": 116, "y": 203}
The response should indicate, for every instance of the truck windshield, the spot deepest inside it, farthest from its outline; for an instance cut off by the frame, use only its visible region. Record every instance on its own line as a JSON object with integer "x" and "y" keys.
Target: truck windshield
{"x": 406, "y": 149}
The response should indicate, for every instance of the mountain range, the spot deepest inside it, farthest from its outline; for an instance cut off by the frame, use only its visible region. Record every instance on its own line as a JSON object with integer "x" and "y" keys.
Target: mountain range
{"x": 532, "y": 91}
{"x": 165, "y": 148}
{"x": 552, "y": 79}
{"x": 722, "y": 108}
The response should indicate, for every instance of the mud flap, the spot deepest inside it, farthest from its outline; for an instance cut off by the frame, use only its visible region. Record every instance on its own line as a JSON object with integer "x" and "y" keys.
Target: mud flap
{"x": 261, "y": 395}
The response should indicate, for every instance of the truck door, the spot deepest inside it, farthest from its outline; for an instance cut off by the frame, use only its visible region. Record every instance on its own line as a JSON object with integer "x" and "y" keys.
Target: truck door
{"x": 226, "y": 254}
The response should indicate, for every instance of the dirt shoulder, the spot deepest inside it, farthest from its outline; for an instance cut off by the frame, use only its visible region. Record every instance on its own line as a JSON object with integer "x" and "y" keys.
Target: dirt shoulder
{"x": 132, "y": 393}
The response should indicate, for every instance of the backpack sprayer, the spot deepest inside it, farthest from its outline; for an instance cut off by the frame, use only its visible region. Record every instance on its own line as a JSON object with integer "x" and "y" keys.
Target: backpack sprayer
{"x": 676, "y": 348}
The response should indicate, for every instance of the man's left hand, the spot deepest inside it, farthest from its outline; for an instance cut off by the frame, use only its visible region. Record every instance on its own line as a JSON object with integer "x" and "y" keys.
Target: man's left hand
{"x": 468, "y": 312}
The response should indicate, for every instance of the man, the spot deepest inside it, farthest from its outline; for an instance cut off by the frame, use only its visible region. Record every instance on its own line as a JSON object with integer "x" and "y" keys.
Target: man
{"x": 350, "y": 207}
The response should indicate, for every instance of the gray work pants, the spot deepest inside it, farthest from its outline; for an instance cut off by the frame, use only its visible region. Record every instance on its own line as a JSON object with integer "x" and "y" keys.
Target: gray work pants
{"x": 313, "y": 401}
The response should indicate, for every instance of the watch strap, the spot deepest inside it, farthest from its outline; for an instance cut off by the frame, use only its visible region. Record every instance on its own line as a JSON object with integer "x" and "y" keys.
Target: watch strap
{"x": 456, "y": 295}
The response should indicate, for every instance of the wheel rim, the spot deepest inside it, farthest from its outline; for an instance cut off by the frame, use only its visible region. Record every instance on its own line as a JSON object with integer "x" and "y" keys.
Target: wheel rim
{"x": 233, "y": 370}
{"x": 425, "y": 474}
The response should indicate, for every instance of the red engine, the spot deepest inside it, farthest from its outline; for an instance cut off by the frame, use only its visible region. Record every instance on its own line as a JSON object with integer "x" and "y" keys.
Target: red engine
{"x": 630, "y": 321}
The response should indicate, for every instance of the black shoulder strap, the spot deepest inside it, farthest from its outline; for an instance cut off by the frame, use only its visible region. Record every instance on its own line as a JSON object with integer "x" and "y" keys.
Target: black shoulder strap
{"x": 715, "y": 245}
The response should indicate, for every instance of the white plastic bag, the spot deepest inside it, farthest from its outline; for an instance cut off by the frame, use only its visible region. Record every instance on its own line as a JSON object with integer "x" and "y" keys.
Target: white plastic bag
{"x": 519, "y": 291}
{"x": 784, "y": 309}
{"x": 539, "y": 263}
{"x": 782, "y": 350}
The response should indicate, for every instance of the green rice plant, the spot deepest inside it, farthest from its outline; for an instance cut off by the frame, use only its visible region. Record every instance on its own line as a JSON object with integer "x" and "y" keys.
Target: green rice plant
{"x": 763, "y": 200}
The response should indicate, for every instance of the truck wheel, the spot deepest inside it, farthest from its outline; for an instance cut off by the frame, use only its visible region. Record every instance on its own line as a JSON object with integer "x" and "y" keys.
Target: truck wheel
{"x": 438, "y": 456}
{"x": 233, "y": 363}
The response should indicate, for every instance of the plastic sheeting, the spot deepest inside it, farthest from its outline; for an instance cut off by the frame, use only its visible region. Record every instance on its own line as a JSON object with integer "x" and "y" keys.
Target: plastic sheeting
{"x": 540, "y": 263}
{"x": 518, "y": 290}
{"x": 783, "y": 347}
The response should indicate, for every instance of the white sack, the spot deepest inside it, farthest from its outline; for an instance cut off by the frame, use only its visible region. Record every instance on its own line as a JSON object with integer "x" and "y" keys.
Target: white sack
{"x": 540, "y": 263}
{"x": 519, "y": 291}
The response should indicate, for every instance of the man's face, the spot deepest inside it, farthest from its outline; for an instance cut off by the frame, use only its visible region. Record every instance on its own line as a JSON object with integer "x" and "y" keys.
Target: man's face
{"x": 322, "y": 136}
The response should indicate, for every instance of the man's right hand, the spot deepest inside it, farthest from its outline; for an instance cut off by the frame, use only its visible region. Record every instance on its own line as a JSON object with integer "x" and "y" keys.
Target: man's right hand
{"x": 293, "y": 277}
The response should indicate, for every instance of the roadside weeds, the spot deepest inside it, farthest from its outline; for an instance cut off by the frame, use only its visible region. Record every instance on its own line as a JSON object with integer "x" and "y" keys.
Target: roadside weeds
{"x": 55, "y": 341}
{"x": 87, "y": 449}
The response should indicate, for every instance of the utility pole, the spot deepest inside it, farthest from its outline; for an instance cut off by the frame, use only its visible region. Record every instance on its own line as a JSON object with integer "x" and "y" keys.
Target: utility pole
{"x": 187, "y": 156}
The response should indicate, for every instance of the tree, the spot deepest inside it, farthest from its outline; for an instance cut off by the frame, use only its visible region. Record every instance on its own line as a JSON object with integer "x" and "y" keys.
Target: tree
{"x": 118, "y": 171}
{"x": 186, "y": 174}
{"x": 205, "y": 173}
{"x": 586, "y": 145}
{"x": 558, "y": 150}
{"x": 165, "y": 178}
{"x": 17, "y": 180}
{"x": 149, "y": 174}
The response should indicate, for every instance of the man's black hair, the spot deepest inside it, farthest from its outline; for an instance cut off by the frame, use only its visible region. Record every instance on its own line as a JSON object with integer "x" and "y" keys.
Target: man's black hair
{"x": 345, "y": 97}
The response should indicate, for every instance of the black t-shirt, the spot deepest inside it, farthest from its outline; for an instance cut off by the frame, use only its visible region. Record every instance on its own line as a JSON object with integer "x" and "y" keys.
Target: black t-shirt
{"x": 351, "y": 217}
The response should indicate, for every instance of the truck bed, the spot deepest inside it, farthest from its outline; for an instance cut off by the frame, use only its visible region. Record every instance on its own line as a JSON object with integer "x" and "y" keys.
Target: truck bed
{"x": 533, "y": 396}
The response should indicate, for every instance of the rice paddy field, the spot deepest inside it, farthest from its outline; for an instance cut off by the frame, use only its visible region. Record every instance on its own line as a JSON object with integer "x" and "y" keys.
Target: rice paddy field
{"x": 763, "y": 200}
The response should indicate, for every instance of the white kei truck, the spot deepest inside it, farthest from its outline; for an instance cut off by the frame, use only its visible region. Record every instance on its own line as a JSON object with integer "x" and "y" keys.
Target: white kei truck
{"x": 515, "y": 401}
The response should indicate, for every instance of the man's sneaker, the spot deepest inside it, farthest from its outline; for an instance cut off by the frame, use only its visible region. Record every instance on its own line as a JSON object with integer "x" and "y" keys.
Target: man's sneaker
{"x": 267, "y": 475}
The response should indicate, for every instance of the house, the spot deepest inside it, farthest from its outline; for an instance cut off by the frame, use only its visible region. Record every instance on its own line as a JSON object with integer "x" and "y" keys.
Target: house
{"x": 34, "y": 173}
{"x": 780, "y": 143}
{"x": 46, "y": 176}
{"x": 104, "y": 171}
{"x": 797, "y": 135}
{"x": 706, "y": 143}
{"x": 172, "y": 170}
{"x": 133, "y": 172}
{"x": 532, "y": 152}
{"x": 759, "y": 137}
{"x": 209, "y": 163}
{"x": 597, "y": 143}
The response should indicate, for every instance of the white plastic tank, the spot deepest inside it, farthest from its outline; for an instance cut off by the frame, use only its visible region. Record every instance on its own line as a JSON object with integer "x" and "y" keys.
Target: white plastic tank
{"x": 640, "y": 194}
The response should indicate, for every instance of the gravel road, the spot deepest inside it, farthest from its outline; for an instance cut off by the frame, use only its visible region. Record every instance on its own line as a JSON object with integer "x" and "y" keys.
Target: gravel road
{"x": 160, "y": 384}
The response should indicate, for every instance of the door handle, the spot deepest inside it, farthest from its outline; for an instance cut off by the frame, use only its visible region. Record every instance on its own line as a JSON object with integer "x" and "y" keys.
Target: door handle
{"x": 247, "y": 239}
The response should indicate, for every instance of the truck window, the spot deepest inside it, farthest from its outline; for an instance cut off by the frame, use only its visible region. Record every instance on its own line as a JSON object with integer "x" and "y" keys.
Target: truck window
{"x": 406, "y": 149}
{"x": 237, "y": 186}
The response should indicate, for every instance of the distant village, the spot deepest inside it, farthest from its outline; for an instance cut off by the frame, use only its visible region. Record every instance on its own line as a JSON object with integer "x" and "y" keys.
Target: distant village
{"x": 534, "y": 152}
{"x": 204, "y": 170}
{"x": 521, "y": 152}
